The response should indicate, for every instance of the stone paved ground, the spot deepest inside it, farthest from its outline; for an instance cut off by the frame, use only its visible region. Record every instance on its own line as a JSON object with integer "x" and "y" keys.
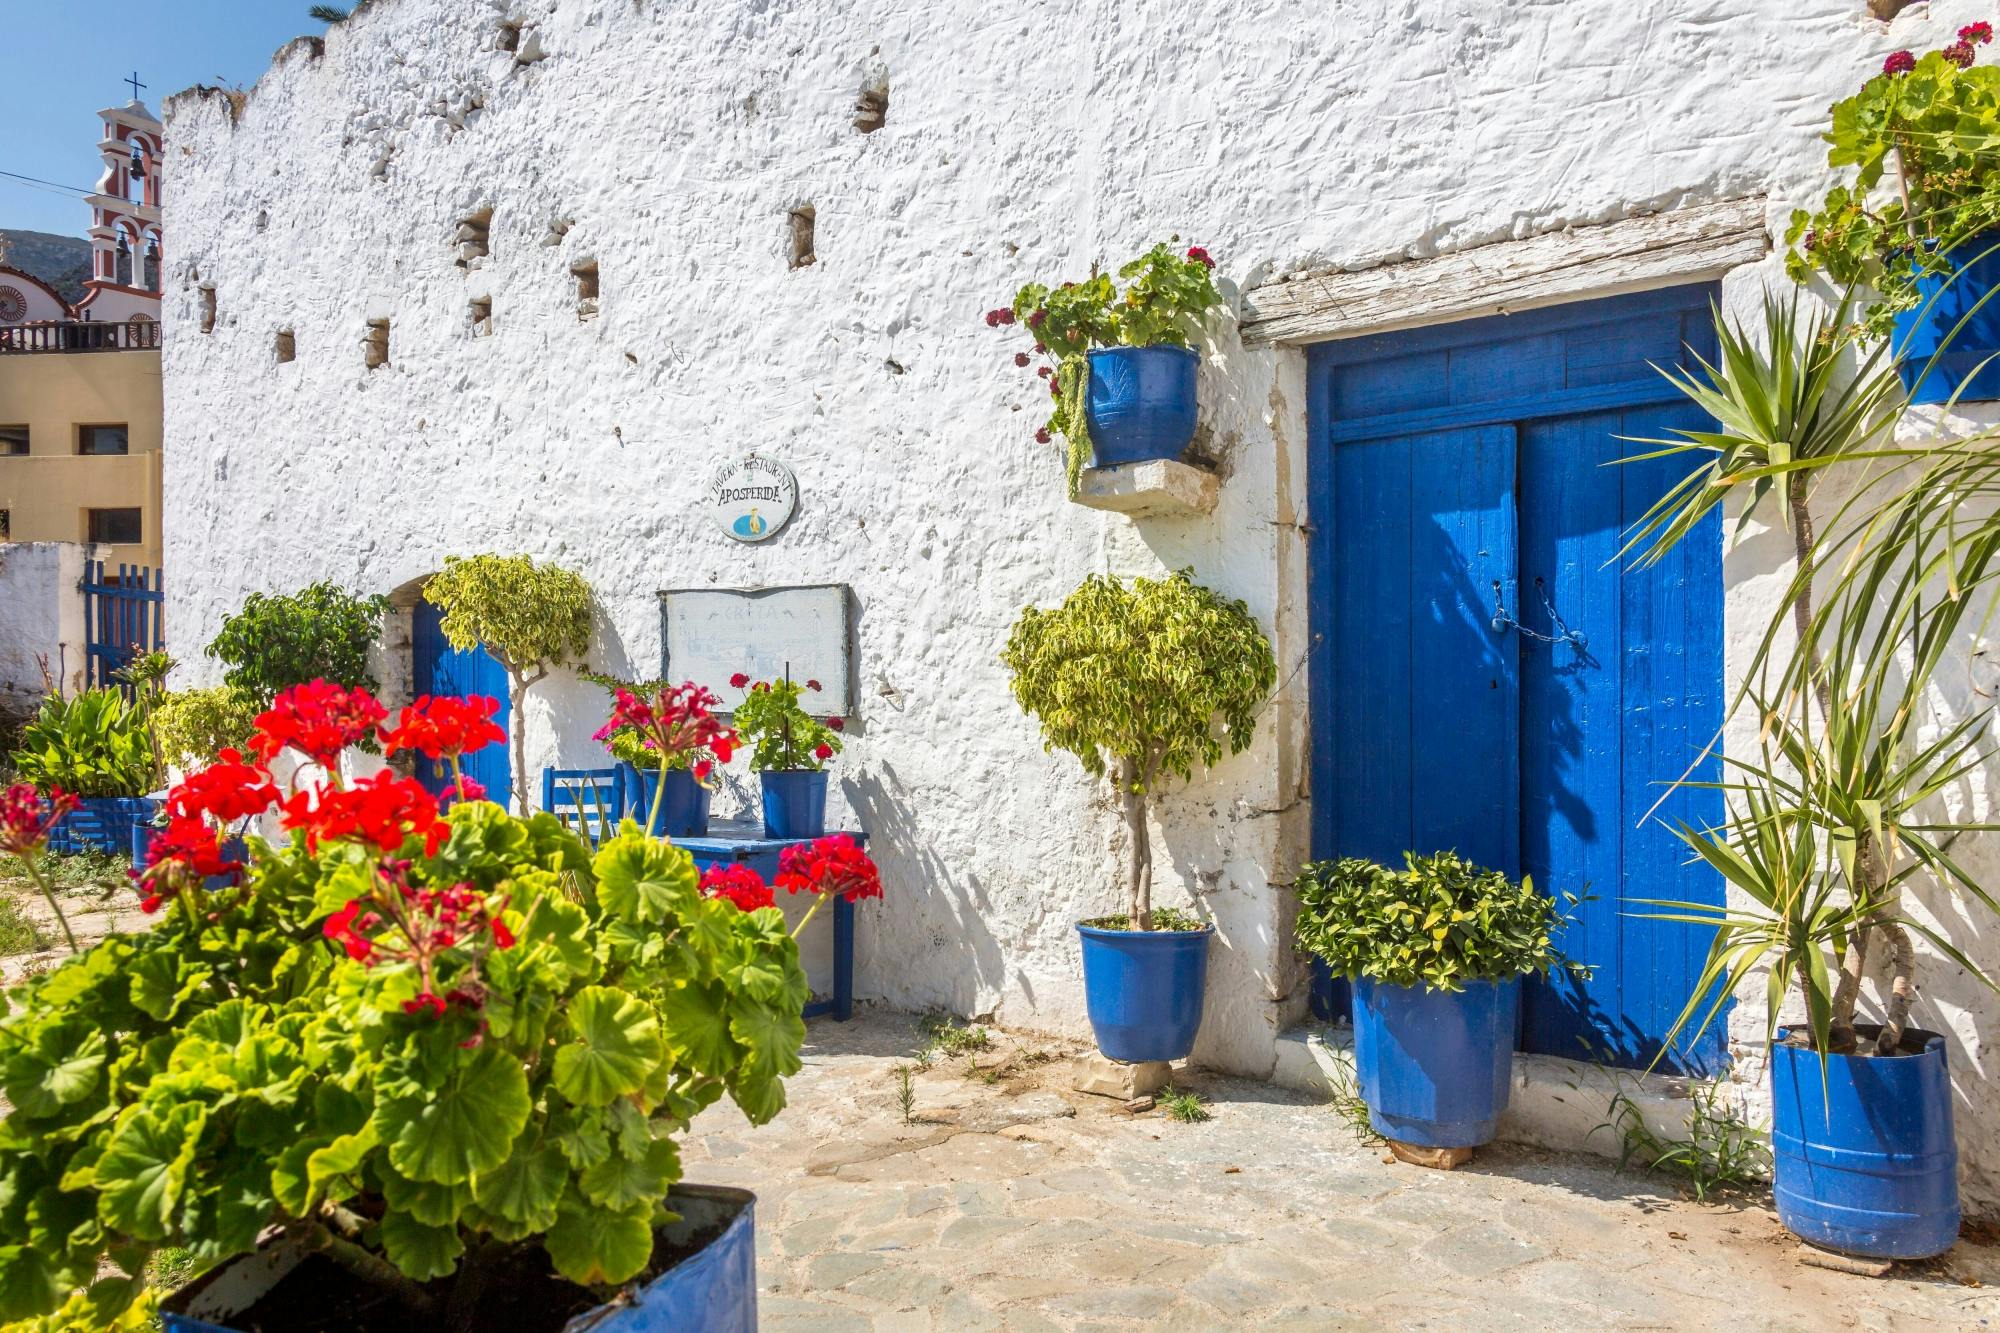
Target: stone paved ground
{"x": 1012, "y": 1204}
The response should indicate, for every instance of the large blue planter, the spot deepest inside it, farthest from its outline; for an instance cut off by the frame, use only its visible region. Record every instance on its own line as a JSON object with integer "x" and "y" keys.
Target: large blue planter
{"x": 1945, "y": 299}
{"x": 1435, "y": 1066}
{"x": 714, "y": 1290}
{"x": 1141, "y": 403}
{"x": 102, "y": 824}
{"x": 1864, "y": 1160}
{"x": 684, "y": 809}
{"x": 794, "y": 802}
{"x": 1143, "y": 990}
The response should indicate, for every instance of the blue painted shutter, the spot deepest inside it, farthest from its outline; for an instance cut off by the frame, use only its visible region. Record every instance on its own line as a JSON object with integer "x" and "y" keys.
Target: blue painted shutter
{"x": 441, "y": 669}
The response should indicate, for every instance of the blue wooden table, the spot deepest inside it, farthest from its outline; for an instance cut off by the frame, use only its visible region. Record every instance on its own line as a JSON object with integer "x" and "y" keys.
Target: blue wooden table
{"x": 731, "y": 842}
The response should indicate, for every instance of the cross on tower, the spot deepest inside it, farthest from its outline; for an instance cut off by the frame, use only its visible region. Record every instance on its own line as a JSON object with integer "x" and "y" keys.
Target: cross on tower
{"x": 136, "y": 85}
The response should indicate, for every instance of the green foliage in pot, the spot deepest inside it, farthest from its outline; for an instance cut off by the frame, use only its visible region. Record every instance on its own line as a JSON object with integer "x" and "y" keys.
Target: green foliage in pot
{"x": 278, "y": 640}
{"x": 94, "y": 744}
{"x": 1439, "y": 922}
{"x": 772, "y": 720}
{"x": 1142, "y": 681}
{"x": 1920, "y": 140}
{"x": 1166, "y": 297}
{"x": 532, "y": 618}
{"x": 495, "y": 1059}
{"x": 192, "y": 725}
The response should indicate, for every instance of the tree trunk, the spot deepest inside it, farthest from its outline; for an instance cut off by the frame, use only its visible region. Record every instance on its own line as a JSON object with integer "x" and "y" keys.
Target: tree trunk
{"x": 1854, "y": 967}
{"x": 517, "y": 749}
{"x": 1139, "y": 863}
{"x": 1902, "y": 963}
{"x": 1803, "y": 541}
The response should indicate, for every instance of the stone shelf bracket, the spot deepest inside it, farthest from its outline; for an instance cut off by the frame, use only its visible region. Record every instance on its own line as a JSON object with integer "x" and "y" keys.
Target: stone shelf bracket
{"x": 1163, "y": 487}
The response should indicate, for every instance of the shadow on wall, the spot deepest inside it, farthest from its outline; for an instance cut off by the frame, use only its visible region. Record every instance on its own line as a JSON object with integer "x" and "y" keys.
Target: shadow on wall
{"x": 940, "y": 918}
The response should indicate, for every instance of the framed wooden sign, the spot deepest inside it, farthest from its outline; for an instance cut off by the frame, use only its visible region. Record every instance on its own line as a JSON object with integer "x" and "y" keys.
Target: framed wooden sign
{"x": 709, "y": 635}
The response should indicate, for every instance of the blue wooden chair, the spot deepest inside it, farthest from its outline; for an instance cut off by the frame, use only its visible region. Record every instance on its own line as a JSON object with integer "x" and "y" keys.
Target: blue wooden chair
{"x": 589, "y": 800}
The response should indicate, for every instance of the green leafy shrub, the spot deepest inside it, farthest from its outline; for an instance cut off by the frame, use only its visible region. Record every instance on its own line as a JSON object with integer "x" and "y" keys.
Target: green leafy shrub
{"x": 1133, "y": 679}
{"x": 773, "y": 722}
{"x": 93, "y": 744}
{"x": 1440, "y": 922}
{"x": 532, "y": 618}
{"x": 1166, "y": 297}
{"x": 191, "y": 725}
{"x": 1919, "y": 137}
{"x": 411, "y": 1106}
{"x": 321, "y": 632}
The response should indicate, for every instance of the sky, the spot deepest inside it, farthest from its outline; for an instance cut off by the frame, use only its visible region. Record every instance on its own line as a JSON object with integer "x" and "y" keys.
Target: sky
{"x": 62, "y": 61}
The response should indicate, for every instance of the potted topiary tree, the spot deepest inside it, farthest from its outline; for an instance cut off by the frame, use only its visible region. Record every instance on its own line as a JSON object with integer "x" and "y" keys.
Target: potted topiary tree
{"x": 1920, "y": 221}
{"x": 790, "y": 749}
{"x": 410, "y": 1069}
{"x": 1121, "y": 366}
{"x": 1134, "y": 679}
{"x": 532, "y": 618}
{"x": 1436, "y": 953}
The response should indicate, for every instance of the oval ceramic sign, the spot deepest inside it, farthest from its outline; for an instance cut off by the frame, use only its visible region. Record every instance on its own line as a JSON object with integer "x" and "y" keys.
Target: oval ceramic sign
{"x": 753, "y": 497}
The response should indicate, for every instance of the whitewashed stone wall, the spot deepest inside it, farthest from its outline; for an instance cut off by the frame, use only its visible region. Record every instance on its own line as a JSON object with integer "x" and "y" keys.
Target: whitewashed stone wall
{"x": 42, "y": 639}
{"x": 667, "y": 143}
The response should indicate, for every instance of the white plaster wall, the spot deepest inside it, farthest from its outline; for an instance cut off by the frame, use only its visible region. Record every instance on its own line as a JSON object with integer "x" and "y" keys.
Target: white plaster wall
{"x": 667, "y": 142}
{"x": 41, "y": 622}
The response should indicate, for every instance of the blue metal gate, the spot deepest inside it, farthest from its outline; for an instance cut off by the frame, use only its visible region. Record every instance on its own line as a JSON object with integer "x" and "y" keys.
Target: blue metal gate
{"x": 439, "y": 668}
{"x": 121, "y": 618}
{"x": 1492, "y": 680}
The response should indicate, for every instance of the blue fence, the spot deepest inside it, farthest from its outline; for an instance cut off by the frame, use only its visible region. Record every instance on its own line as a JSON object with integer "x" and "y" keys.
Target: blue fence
{"x": 121, "y": 617}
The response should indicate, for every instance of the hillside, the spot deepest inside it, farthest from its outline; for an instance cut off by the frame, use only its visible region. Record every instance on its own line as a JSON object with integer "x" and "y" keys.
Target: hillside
{"x": 63, "y": 262}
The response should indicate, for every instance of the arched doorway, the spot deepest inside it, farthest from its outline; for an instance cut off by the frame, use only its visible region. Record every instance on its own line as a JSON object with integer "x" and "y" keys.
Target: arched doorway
{"x": 438, "y": 668}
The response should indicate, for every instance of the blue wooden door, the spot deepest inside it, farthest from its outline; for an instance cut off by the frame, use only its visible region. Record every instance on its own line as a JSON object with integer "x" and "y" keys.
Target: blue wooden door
{"x": 1469, "y": 468}
{"x": 441, "y": 669}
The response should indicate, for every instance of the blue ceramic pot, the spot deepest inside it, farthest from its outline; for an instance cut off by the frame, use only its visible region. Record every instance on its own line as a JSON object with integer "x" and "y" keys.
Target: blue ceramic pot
{"x": 1932, "y": 329}
{"x": 1143, "y": 990}
{"x": 714, "y": 1290}
{"x": 794, "y": 802}
{"x": 683, "y": 810}
{"x": 1863, "y": 1156}
{"x": 105, "y": 823}
{"x": 1141, "y": 403}
{"x": 1435, "y": 1066}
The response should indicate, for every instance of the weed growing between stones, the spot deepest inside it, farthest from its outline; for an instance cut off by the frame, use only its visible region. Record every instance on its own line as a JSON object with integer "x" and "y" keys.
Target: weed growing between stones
{"x": 1186, "y": 1107}
{"x": 1722, "y": 1155}
{"x": 1348, "y": 1107}
{"x": 949, "y": 1036}
{"x": 906, "y": 1093}
{"x": 18, "y": 934}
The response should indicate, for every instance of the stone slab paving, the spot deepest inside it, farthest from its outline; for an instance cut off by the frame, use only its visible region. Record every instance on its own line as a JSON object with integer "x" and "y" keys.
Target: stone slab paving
{"x": 1010, "y": 1203}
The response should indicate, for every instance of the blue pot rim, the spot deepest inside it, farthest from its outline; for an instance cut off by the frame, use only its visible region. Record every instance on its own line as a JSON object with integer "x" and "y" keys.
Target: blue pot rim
{"x": 1193, "y": 354}
{"x": 1100, "y": 933}
{"x": 793, "y": 772}
{"x": 1933, "y": 1043}
{"x": 1429, "y": 989}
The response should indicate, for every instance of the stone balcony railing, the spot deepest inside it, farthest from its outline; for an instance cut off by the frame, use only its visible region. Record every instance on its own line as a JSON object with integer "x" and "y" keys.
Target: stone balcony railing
{"x": 82, "y": 335}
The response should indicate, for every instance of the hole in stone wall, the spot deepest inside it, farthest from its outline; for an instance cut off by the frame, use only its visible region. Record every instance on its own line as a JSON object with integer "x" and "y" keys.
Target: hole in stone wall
{"x": 286, "y": 346}
{"x": 474, "y": 237}
{"x": 1888, "y": 9}
{"x": 585, "y": 274}
{"x": 509, "y": 37}
{"x": 481, "y": 311}
{"x": 871, "y": 111}
{"x": 802, "y": 236}
{"x": 376, "y": 344}
{"x": 208, "y": 310}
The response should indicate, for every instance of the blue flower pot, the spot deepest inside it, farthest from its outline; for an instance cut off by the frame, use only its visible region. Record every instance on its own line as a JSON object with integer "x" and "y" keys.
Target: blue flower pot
{"x": 1944, "y": 300}
{"x": 1435, "y": 1066}
{"x": 714, "y": 1290}
{"x": 683, "y": 810}
{"x": 1863, "y": 1158}
{"x": 794, "y": 802}
{"x": 1143, "y": 990}
{"x": 103, "y": 824}
{"x": 1141, "y": 403}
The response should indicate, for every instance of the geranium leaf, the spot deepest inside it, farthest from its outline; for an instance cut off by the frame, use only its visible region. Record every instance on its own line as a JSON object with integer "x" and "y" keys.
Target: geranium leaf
{"x": 421, "y": 1252}
{"x": 28, "y": 1283}
{"x": 428, "y": 1202}
{"x": 525, "y": 1188}
{"x": 145, "y": 1167}
{"x": 615, "y": 1042}
{"x": 771, "y": 1034}
{"x": 620, "y": 1181}
{"x": 695, "y": 1030}
{"x": 467, "y": 1127}
{"x": 644, "y": 880}
{"x": 61, "y": 1068}
{"x": 580, "y": 1137}
{"x": 162, "y": 983}
{"x": 599, "y": 1245}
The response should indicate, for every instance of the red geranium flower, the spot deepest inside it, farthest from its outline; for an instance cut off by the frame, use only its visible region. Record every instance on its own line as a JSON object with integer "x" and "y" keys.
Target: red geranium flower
{"x": 188, "y": 851}
{"x": 228, "y": 789}
{"x": 426, "y": 1003}
{"x": 320, "y": 719}
{"x": 445, "y": 726}
{"x": 830, "y": 865}
{"x": 1200, "y": 256}
{"x": 341, "y": 930}
{"x": 822, "y": 752}
{"x": 1959, "y": 54}
{"x": 1899, "y": 62}
{"x": 679, "y": 720}
{"x": 739, "y": 680}
{"x": 836, "y": 724}
{"x": 1979, "y": 33}
{"x": 739, "y": 884}
{"x": 25, "y": 818}
{"x": 383, "y": 810}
